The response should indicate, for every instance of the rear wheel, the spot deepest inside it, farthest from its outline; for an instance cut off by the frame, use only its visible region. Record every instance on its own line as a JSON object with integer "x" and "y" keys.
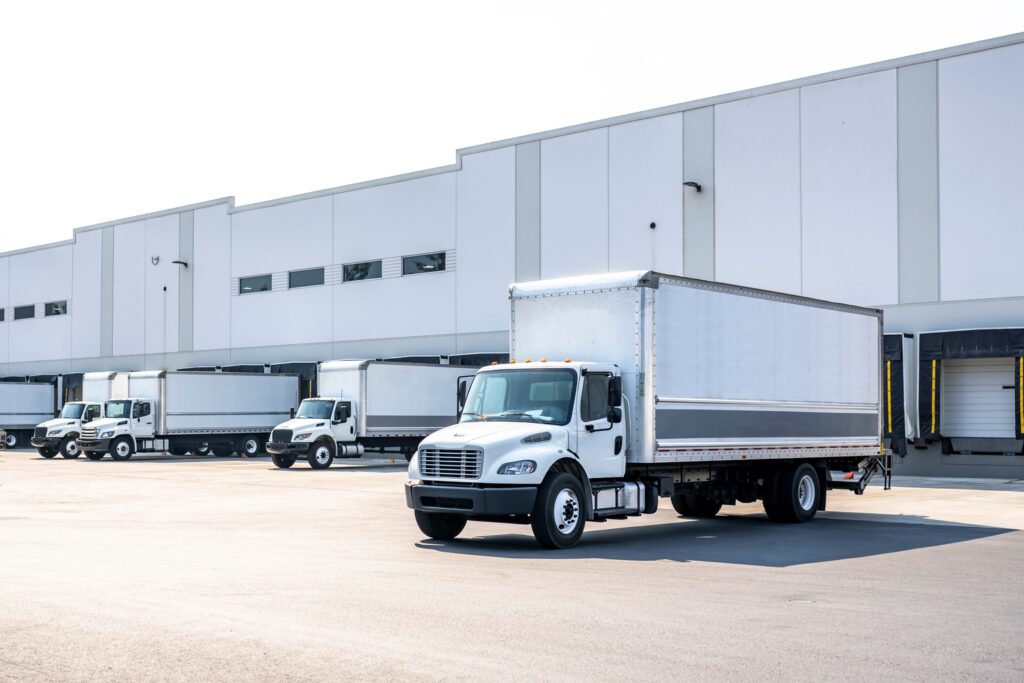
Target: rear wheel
{"x": 121, "y": 449}
{"x": 558, "y": 518}
{"x": 47, "y": 452}
{"x": 320, "y": 455}
{"x": 441, "y": 526}
{"x": 11, "y": 440}
{"x": 283, "y": 460}
{"x": 95, "y": 455}
{"x": 794, "y": 494}
{"x": 176, "y": 449}
{"x": 694, "y": 505}
{"x": 248, "y": 446}
{"x": 201, "y": 449}
{"x": 69, "y": 447}
{"x": 222, "y": 451}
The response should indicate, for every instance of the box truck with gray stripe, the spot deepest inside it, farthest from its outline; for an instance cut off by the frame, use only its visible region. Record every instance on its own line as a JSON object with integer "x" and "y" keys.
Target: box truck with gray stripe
{"x": 367, "y": 405}
{"x": 23, "y": 405}
{"x": 625, "y": 388}
{"x": 60, "y": 435}
{"x": 198, "y": 412}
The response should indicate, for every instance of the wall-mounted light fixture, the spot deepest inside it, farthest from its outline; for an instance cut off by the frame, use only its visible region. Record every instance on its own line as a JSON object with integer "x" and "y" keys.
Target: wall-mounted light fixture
{"x": 180, "y": 263}
{"x": 690, "y": 183}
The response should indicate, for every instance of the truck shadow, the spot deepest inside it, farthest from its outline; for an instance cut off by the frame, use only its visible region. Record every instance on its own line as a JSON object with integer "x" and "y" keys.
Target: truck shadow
{"x": 743, "y": 540}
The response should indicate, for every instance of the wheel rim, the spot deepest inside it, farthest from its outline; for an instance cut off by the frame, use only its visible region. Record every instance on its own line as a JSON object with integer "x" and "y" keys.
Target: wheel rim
{"x": 10, "y": 440}
{"x": 251, "y": 446}
{"x": 204, "y": 448}
{"x": 122, "y": 449}
{"x": 566, "y": 511}
{"x": 806, "y": 490}
{"x": 322, "y": 455}
{"x": 72, "y": 447}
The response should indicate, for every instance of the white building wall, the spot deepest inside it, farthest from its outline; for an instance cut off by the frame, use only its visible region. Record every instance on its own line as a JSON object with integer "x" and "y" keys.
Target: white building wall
{"x": 161, "y": 284}
{"x": 574, "y": 204}
{"x": 37, "y": 277}
{"x": 5, "y": 303}
{"x": 211, "y": 300}
{"x": 981, "y": 174}
{"x": 87, "y": 267}
{"x": 130, "y": 260}
{"x": 485, "y": 240}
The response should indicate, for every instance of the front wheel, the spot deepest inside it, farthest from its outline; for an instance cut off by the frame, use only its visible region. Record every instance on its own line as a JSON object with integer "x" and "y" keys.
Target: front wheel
{"x": 440, "y": 526}
{"x": 282, "y": 460}
{"x": 47, "y": 452}
{"x": 321, "y": 455}
{"x": 558, "y": 518}
{"x": 69, "y": 447}
{"x": 121, "y": 449}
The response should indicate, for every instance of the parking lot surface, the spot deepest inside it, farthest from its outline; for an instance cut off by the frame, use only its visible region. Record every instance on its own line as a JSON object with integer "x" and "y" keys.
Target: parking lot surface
{"x": 167, "y": 568}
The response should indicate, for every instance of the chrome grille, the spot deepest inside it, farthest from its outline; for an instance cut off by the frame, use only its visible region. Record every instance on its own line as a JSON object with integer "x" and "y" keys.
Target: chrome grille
{"x": 89, "y": 433}
{"x": 281, "y": 436}
{"x": 40, "y": 432}
{"x": 452, "y": 464}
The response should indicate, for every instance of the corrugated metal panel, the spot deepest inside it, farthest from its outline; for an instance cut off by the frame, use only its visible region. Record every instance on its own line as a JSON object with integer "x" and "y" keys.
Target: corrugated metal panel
{"x": 974, "y": 400}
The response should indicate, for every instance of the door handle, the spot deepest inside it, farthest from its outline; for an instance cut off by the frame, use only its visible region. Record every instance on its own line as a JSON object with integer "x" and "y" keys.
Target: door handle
{"x": 1009, "y": 386}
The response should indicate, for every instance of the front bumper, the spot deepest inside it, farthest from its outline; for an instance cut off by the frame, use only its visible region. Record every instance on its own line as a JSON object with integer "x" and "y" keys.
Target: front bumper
{"x": 45, "y": 441}
{"x": 292, "y": 448}
{"x": 473, "y": 501}
{"x": 94, "y": 445}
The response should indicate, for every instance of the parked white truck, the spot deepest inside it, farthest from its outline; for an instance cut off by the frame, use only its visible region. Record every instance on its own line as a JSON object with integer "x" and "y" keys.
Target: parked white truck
{"x": 23, "y": 405}
{"x": 368, "y": 405}
{"x": 60, "y": 435}
{"x": 633, "y": 386}
{"x": 179, "y": 412}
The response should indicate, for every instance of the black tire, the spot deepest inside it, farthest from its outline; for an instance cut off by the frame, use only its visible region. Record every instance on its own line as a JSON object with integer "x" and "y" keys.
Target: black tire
{"x": 249, "y": 446}
{"x": 222, "y": 451}
{"x": 12, "y": 440}
{"x": 770, "y": 495}
{"x": 694, "y": 505}
{"x": 69, "y": 448}
{"x": 177, "y": 450}
{"x": 283, "y": 460}
{"x": 47, "y": 452}
{"x": 201, "y": 449}
{"x": 797, "y": 493}
{"x": 95, "y": 455}
{"x": 321, "y": 454}
{"x": 121, "y": 448}
{"x": 558, "y": 515}
{"x": 441, "y": 526}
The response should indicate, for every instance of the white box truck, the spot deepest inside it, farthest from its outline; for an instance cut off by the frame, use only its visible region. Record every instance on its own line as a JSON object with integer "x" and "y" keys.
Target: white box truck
{"x": 198, "y": 412}
{"x": 23, "y": 405}
{"x": 368, "y": 405}
{"x": 628, "y": 387}
{"x": 60, "y": 435}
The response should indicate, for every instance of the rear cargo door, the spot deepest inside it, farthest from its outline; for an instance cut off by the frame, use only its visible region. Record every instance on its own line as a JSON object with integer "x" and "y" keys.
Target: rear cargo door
{"x": 977, "y": 398}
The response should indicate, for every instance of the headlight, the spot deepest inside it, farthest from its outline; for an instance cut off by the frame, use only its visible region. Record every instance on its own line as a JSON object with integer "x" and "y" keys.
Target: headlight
{"x": 303, "y": 437}
{"x": 53, "y": 432}
{"x": 106, "y": 435}
{"x": 539, "y": 437}
{"x": 518, "y": 467}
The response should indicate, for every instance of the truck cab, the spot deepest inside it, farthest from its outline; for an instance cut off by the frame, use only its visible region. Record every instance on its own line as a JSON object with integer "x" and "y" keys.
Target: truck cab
{"x": 322, "y": 428}
{"x": 60, "y": 435}
{"x": 118, "y": 432}
{"x": 520, "y": 423}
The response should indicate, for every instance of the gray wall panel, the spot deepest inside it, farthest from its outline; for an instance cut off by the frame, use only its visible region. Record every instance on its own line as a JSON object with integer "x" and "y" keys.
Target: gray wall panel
{"x": 918, "y": 178}
{"x": 528, "y": 211}
{"x": 107, "y": 293}
{"x": 699, "y": 207}
{"x": 186, "y": 253}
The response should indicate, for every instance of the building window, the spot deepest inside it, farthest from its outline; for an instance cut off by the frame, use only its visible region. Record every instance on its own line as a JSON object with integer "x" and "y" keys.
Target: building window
{"x": 57, "y": 308}
{"x": 305, "y": 278}
{"x": 2, "y": 312}
{"x": 256, "y": 283}
{"x": 424, "y": 263}
{"x": 23, "y": 312}
{"x": 368, "y": 270}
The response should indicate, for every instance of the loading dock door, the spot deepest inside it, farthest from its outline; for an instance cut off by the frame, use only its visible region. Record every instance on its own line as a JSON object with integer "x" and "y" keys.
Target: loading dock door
{"x": 978, "y": 398}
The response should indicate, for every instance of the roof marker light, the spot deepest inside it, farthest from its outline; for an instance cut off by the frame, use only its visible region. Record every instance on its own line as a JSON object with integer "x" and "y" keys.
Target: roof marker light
{"x": 528, "y": 360}
{"x": 543, "y": 360}
{"x": 568, "y": 360}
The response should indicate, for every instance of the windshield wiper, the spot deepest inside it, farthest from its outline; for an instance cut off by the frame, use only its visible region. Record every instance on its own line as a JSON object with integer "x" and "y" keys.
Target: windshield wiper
{"x": 480, "y": 415}
{"x": 511, "y": 413}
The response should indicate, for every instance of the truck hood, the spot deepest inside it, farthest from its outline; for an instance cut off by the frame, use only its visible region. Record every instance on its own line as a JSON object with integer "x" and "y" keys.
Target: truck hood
{"x": 302, "y": 423}
{"x": 486, "y": 433}
{"x": 103, "y": 423}
{"x": 58, "y": 422}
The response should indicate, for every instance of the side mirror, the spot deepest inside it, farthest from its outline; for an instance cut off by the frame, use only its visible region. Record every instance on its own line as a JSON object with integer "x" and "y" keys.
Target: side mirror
{"x": 463, "y": 391}
{"x": 615, "y": 415}
{"x": 291, "y": 413}
{"x": 615, "y": 392}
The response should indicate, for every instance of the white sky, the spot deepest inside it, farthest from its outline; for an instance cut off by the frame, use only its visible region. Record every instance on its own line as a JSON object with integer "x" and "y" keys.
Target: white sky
{"x": 111, "y": 109}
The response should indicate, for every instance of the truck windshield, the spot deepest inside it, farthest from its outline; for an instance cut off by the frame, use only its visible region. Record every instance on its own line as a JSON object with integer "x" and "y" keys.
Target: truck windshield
{"x": 521, "y": 396}
{"x": 118, "y": 408}
{"x": 315, "y": 409}
{"x": 72, "y": 411}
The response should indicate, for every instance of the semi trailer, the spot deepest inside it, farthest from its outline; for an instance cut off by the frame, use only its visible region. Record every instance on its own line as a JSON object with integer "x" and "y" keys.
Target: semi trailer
{"x": 367, "y": 405}
{"x": 23, "y": 405}
{"x": 631, "y": 387}
{"x": 60, "y": 435}
{"x": 198, "y": 412}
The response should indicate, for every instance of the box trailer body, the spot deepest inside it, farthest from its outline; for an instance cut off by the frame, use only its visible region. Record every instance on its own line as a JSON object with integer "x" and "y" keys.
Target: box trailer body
{"x": 60, "y": 435}
{"x": 664, "y": 386}
{"x": 368, "y": 405}
{"x": 182, "y": 411}
{"x": 23, "y": 405}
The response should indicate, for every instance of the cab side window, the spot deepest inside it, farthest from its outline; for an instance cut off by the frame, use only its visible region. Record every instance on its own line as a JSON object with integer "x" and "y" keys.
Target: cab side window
{"x": 342, "y": 411}
{"x": 594, "y": 402}
{"x": 140, "y": 410}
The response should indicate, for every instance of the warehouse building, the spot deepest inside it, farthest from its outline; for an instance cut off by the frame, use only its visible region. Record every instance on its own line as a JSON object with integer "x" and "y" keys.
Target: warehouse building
{"x": 896, "y": 185}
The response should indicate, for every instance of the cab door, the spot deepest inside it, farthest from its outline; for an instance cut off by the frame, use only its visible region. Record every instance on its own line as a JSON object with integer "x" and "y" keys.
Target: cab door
{"x": 601, "y": 434}
{"x": 343, "y": 422}
{"x": 142, "y": 419}
{"x": 93, "y": 411}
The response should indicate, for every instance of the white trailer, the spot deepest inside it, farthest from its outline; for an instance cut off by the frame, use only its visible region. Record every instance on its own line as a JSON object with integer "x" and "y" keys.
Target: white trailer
{"x": 368, "y": 405}
{"x": 628, "y": 387}
{"x": 23, "y": 405}
{"x": 60, "y": 435}
{"x": 198, "y": 412}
